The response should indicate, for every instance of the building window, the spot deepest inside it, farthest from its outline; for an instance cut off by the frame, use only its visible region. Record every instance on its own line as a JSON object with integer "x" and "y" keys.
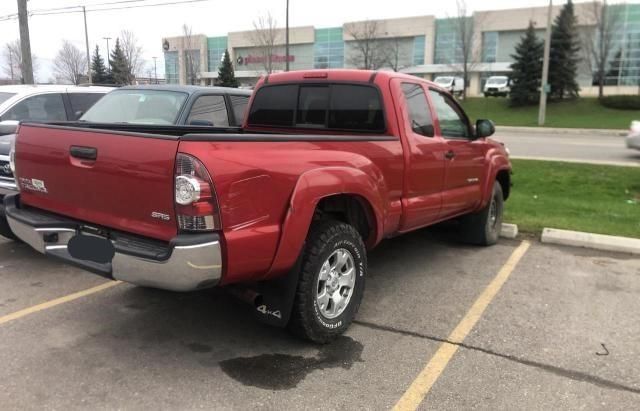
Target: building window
{"x": 216, "y": 47}
{"x": 418, "y": 50}
{"x": 171, "y": 67}
{"x": 448, "y": 46}
{"x": 328, "y": 50}
{"x": 623, "y": 65}
{"x": 489, "y": 46}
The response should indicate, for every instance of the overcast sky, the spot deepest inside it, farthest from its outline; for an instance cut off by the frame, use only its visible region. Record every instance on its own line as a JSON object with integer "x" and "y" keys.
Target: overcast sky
{"x": 214, "y": 17}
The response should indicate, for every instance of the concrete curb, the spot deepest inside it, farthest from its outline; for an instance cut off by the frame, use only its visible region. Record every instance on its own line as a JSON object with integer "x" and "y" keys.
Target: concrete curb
{"x": 589, "y": 240}
{"x": 550, "y": 130}
{"x": 509, "y": 231}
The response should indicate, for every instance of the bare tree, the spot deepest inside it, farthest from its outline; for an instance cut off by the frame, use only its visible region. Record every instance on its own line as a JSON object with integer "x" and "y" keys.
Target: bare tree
{"x": 465, "y": 54}
{"x": 265, "y": 37}
{"x": 367, "y": 49}
{"x": 598, "y": 41}
{"x": 191, "y": 65}
{"x": 70, "y": 64}
{"x": 12, "y": 64}
{"x": 132, "y": 52}
{"x": 394, "y": 54}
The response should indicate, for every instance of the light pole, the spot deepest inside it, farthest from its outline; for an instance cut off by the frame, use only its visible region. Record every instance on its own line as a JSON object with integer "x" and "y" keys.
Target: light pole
{"x": 25, "y": 44}
{"x": 108, "y": 53}
{"x": 155, "y": 69}
{"x": 286, "y": 50}
{"x": 86, "y": 39}
{"x": 542, "y": 113}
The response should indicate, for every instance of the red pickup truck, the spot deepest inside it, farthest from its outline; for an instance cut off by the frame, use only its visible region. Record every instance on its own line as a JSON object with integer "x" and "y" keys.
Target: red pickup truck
{"x": 327, "y": 165}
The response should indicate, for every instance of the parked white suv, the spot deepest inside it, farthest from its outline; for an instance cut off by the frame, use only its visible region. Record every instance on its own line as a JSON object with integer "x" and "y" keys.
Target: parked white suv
{"x": 497, "y": 86}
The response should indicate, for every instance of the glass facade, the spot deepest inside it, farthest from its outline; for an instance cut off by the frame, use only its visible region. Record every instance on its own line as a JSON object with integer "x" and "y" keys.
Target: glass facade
{"x": 448, "y": 50}
{"x": 328, "y": 50}
{"x": 419, "y": 43}
{"x": 489, "y": 46}
{"x": 623, "y": 67}
{"x": 215, "y": 50}
{"x": 171, "y": 67}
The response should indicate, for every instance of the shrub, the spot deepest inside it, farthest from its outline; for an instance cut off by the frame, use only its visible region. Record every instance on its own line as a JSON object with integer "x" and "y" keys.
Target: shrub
{"x": 625, "y": 102}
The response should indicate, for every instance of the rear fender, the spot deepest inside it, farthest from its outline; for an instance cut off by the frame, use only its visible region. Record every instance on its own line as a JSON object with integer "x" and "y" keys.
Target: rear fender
{"x": 312, "y": 187}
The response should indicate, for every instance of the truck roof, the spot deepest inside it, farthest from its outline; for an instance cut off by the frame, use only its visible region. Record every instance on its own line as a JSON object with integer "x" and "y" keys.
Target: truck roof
{"x": 348, "y": 75}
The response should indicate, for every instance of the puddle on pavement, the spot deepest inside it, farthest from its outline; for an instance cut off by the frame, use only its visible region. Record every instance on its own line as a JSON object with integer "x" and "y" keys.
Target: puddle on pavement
{"x": 283, "y": 371}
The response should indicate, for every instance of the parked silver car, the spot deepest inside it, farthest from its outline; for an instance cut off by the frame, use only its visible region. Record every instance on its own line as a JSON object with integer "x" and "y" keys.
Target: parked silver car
{"x": 633, "y": 138}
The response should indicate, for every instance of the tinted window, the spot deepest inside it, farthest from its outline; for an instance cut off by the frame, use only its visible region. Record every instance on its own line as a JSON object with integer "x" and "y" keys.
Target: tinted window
{"x": 137, "y": 107}
{"x": 313, "y": 103}
{"x": 339, "y": 106}
{"x": 419, "y": 113}
{"x": 44, "y": 107}
{"x": 239, "y": 107}
{"x": 453, "y": 122}
{"x": 81, "y": 102}
{"x": 210, "y": 110}
{"x": 356, "y": 108}
{"x": 274, "y": 106}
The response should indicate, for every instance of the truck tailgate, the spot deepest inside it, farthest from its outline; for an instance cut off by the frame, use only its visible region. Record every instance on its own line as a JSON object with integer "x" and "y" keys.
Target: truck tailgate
{"x": 119, "y": 180}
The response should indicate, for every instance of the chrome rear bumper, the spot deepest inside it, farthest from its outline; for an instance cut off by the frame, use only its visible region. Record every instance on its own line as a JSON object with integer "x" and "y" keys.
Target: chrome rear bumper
{"x": 186, "y": 263}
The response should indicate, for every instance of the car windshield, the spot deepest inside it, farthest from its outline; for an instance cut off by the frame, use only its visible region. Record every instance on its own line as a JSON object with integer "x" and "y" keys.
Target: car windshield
{"x": 6, "y": 96}
{"x": 497, "y": 80}
{"x": 444, "y": 80}
{"x": 155, "y": 107}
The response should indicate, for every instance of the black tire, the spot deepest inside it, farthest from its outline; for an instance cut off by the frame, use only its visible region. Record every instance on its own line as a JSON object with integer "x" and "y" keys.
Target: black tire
{"x": 325, "y": 239}
{"x": 486, "y": 95}
{"x": 5, "y": 230}
{"x": 480, "y": 228}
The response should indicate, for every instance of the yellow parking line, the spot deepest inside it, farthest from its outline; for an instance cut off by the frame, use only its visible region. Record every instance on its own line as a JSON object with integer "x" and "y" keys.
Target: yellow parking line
{"x": 57, "y": 301}
{"x": 425, "y": 380}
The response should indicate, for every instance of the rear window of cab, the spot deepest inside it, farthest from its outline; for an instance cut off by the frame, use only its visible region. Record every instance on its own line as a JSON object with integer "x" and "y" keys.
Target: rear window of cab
{"x": 338, "y": 107}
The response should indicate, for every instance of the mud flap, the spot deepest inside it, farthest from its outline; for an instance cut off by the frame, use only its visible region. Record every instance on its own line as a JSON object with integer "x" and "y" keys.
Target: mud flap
{"x": 272, "y": 301}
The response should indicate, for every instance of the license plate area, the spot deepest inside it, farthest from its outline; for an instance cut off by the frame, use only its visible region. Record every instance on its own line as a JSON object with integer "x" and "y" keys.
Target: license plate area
{"x": 91, "y": 248}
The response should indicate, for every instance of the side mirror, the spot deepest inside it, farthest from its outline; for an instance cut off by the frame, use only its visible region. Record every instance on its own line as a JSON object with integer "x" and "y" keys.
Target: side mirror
{"x": 485, "y": 128}
{"x": 8, "y": 127}
{"x": 78, "y": 114}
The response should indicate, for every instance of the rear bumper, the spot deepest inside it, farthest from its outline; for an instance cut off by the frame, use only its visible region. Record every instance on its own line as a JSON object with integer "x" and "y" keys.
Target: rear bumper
{"x": 633, "y": 141}
{"x": 188, "y": 262}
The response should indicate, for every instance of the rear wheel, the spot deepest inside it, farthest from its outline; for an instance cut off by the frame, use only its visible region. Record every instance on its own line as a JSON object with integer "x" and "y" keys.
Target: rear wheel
{"x": 483, "y": 227}
{"x": 331, "y": 283}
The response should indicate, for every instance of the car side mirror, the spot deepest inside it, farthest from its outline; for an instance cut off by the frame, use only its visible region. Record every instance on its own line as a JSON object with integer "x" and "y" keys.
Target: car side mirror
{"x": 205, "y": 123}
{"x": 8, "y": 127}
{"x": 485, "y": 128}
{"x": 78, "y": 114}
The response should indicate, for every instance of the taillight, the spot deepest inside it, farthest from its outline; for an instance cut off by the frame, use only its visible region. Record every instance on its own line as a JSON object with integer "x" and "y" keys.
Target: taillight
{"x": 195, "y": 199}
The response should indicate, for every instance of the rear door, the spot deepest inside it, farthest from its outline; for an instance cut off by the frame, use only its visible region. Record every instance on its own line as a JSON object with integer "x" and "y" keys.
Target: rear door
{"x": 119, "y": 180}
{"x": 424, "y": 158}
{"x": 464, "y": 156}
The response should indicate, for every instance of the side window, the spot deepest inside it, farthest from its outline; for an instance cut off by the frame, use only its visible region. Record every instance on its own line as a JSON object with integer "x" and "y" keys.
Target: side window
{"x": 81, "y": 102}
{"x": 419, "y": 114}
{"x": 43, "y": 107}
{"x": 453, "y": 122}
{"x": 209, "y": 110}
{"x": 239, "y": 107}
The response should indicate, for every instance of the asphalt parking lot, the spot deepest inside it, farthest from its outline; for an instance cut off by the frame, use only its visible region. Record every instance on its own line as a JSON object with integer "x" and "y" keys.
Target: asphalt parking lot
{"x": 561, "y": 333}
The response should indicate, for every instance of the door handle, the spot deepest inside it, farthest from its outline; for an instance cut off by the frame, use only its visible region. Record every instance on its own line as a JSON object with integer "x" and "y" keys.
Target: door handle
{"x": 84, "y": 153}
{"x": 449, "y": 155}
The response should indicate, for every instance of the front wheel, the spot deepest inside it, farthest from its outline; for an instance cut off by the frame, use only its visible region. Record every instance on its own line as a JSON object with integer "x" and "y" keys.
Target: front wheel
{"x": 331, "y": 283}
{"x": 483, "y": 227}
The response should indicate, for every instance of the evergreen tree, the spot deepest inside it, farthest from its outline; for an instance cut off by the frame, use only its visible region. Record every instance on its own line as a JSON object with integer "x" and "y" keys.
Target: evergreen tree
{"x": 99, "y": 73}
{"x": 226, "y": 76}
{"x": 527, "y": 69}
{"x": 564, "y": 59}
{"x": 119, "y": 67}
